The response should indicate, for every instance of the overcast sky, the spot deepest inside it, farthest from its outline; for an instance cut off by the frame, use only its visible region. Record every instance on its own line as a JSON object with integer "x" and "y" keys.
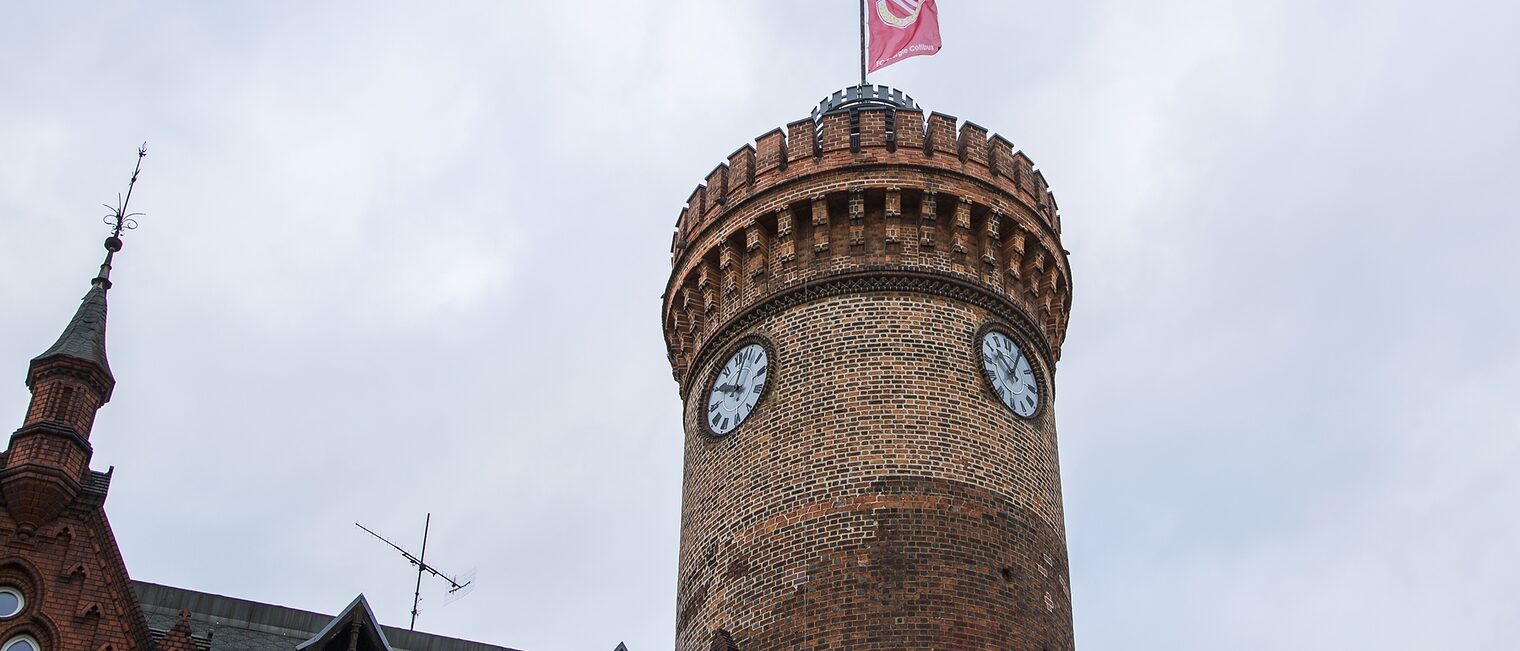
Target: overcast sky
{"x": 388, "y": 248}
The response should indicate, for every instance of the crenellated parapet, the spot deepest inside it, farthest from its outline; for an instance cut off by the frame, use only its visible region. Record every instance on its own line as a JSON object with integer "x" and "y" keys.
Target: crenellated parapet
{"x": 863, "y": 136}
{"x": 861, "y": 199}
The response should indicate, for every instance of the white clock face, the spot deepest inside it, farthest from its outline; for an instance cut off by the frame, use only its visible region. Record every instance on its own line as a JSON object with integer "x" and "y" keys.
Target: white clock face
{"x": 1010, "y": 374}
{"x": 737, "y": 389}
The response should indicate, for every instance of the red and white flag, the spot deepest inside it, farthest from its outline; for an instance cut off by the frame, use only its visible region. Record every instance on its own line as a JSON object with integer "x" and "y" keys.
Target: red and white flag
{"x": 902, "y": 29}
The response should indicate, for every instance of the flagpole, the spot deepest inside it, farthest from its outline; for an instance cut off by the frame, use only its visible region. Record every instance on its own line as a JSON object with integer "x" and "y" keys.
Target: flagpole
{"x": 862, "y": 43}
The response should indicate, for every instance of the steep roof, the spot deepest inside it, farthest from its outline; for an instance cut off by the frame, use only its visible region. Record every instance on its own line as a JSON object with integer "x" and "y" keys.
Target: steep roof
{"x": 85, "y": 336}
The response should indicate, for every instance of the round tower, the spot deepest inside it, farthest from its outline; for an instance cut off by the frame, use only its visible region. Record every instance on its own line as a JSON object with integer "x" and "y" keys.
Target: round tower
{"x": 864, "y": 316}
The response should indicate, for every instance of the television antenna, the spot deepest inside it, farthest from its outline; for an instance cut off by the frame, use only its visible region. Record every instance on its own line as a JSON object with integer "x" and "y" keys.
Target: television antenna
{"x": 456, "y": 588}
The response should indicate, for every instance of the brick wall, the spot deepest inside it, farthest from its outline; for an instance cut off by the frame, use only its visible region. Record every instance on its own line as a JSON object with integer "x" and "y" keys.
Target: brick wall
{"x": 78, "y": 596}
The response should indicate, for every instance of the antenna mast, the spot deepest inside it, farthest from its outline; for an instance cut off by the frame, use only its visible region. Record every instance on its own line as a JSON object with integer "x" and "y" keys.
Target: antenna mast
{"x": 421, "y": 563}
{"x": 422, "y": 567}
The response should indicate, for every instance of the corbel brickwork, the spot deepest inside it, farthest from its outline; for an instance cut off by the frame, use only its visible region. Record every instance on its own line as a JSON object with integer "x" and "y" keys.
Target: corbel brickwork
{"x": 928, "y": 220}
{"x": 857, "y": 221}
{"x": 757, "y": 257}
{"x": 820, "y": 224}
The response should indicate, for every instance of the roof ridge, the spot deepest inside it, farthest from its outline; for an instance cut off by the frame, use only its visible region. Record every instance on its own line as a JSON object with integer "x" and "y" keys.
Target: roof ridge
{"x": 246, "y": 614}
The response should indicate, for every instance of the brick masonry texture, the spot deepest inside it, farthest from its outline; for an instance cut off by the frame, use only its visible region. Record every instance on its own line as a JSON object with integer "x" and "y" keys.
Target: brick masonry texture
{"x": 56, "y": 546}
{"x": 880, "y": 496}
{"x": 78, "y": 594}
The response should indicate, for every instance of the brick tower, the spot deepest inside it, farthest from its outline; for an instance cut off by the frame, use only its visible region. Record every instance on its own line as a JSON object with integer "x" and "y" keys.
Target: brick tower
{"x": 63, "y": 585}
{"x": 864, "y": 317}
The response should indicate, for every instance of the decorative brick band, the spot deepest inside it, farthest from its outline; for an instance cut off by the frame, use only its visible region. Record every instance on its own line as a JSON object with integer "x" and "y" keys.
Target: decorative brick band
{"x": 862, "y": 218}
{"x": 1009, "y": 562}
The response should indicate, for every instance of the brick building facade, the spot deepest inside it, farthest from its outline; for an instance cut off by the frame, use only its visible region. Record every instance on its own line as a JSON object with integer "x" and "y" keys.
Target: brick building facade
{"x": 852, "y": 304}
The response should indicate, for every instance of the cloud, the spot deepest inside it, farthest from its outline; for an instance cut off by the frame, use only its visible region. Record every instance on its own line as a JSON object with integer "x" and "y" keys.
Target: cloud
{"x": 390, "y": 251}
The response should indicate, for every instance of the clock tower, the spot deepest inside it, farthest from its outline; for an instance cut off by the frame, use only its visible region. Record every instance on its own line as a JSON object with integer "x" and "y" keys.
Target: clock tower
{"x": 864, "y": 317}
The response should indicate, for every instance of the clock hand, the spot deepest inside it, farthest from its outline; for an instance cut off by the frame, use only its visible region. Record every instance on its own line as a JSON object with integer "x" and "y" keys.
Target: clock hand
{"x": 1013, "y": 370}
{"x": 1009, "y": 366}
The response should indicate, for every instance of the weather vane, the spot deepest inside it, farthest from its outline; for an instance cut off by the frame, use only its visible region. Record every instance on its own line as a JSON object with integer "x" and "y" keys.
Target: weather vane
{"x": 120, "y": 221}
{"x": 456, "y": 588}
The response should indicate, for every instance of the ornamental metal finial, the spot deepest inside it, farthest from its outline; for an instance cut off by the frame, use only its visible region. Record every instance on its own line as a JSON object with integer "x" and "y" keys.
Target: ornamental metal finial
{"x": 120, "y": 221}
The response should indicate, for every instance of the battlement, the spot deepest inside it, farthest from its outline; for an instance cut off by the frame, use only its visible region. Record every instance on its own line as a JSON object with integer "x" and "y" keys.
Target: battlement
{"x": 866, "y": 96}
{"x": 864, "y": 135}
{"x": 869, "y": 191}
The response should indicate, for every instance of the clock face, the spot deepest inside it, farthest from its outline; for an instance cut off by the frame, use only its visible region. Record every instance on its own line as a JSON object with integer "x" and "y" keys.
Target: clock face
{"x": 1009, "y": 372}
{"x": 737, "y": 389}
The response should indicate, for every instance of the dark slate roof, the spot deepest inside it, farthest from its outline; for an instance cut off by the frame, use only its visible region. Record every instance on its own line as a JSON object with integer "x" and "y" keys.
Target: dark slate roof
{"x": 85, "y": 337}
{"x": 232, "y": 624}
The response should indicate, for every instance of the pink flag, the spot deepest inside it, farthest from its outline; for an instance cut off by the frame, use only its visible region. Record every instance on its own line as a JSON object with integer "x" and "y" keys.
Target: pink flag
{"x": 902, "y": 29}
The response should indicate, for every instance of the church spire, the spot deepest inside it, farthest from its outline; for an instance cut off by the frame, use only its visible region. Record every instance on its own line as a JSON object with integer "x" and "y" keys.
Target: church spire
{"x": 84, "y": 339}
{"x": 48, "y": 458}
